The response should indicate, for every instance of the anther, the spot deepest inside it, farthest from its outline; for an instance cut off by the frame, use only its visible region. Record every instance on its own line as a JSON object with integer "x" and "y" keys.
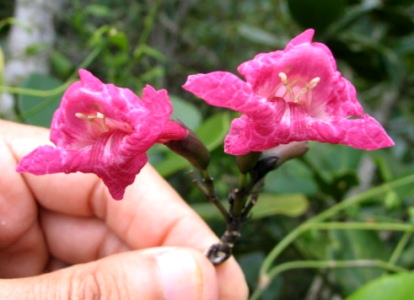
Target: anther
{"x": 314, "y": 82}
{"x": 310, "y": 85}
{"x": 84, "y": 117}
{"x": 92, "y": 118}
{"x": 100, "y": 115}
{"x": 283, "y": 78}
{"x": 290, "y": 85}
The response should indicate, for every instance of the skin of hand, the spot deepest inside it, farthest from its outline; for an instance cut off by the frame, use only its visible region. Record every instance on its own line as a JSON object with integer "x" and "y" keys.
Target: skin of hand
{"x": 63, "y": 237}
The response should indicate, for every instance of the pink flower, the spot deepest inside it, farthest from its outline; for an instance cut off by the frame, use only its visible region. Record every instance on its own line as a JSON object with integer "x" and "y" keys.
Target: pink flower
{"x": 292, "y": 95}
{"x": 103, "y": 129}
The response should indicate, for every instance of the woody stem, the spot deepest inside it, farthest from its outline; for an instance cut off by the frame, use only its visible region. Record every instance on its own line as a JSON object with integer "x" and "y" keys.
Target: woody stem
{"x": 238, "y": 213}
{"x": 206, "y": 187}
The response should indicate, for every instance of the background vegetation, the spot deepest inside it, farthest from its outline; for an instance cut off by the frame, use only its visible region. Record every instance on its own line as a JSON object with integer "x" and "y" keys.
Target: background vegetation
{"x": 362, "y": 203}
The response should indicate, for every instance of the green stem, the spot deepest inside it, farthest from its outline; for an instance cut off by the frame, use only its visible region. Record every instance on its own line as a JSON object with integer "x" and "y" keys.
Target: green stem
{"x": 148, "y": 25}
{"x": 409, "y": 228}
{"x": 12, "y": 21}
{"x": 239, "y": 197}
{"x": 327, "y": 264}
{"x": 400, "y": 247}
{"x": 36, "y": 93}
{"x": 88, "y": 60}
{"x": 284, "y": 243}
{"x": 59, "y": 89}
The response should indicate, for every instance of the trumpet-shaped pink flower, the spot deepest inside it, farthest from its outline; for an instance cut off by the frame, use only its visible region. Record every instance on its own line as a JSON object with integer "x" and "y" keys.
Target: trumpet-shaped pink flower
{"x": 103, "y": 129}
{"x": 292, "y": 95}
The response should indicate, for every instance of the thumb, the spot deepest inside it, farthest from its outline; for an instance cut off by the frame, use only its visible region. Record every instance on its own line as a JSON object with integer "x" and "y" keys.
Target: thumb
{"x": 158, "y": 273}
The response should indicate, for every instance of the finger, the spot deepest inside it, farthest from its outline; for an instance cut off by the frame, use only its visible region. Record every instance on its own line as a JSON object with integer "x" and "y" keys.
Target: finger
{"x": 229, "y": 274}
{"x": 159, "y": 273}
{"x": 151, "y": 214}
{"x": 79, "y": 239}
{"x": 23, "y": 250}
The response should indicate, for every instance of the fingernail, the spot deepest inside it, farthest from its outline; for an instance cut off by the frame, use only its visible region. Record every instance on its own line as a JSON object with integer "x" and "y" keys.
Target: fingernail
{"x": 180, "y": 274}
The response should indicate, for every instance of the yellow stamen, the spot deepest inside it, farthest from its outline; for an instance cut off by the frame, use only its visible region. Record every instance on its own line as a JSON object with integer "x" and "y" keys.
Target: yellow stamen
{"x": 290, "y": 85}
{"x": 84, "y": 117}
{"x": 283, "y": 77}
{"x": 93, "y": 119}
{"x": 100, "y": 115}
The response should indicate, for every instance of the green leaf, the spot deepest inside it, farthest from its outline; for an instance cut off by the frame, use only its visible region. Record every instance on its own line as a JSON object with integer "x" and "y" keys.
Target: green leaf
{"x": 405, "y": 45}
{"x": 334, "y": 159}
{"x": 97, "y": 37}
{"x": 61, "y": 64}
{"x": 257, "y": 35}
{"x": 214, "y": 129}
{"x": 118, "y": 60}
{"x": 35, "y": 49}
{"x": 150, "y": 51}
{"x": 395, "y": 287}
{"x": 291, "y": 177}
{"x": 153, "y": 73}
{"x": 292, "y": 205}
{"x": 97, "y": 10}
{"x": 171, "y": 164}
{"x": 118, "y": 39}
{"x": 39, "y": 110}
{"x": 186, "y": 112}
{"x": 330, "y": 169}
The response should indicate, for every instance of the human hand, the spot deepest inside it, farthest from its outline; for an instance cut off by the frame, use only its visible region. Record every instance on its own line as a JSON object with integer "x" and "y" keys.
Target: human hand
{"x": 63, "y": 236}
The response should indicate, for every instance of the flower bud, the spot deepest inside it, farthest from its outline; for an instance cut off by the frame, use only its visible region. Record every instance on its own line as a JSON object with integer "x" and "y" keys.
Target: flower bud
{"x": 191, "y": 148}
{"x": 288, "y": 151}
{"x": 246, "y": 162}
{"x": 275, "y": 157}
{"x": 264, "y": 165}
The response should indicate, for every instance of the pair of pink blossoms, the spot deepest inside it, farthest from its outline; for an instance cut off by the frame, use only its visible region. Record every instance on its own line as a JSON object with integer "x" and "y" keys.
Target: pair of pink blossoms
{"x": 292, "y": 95}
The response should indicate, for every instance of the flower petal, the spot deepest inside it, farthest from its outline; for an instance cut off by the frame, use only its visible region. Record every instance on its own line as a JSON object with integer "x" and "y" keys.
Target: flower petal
{"x": 225, "y": 89}
{"x": 304, "y": 61}
{"x": 157, "y": 102}
{"x": 365, "y": 133}
{"x": 251, "y": 135}
{"x": 117, "y": 172}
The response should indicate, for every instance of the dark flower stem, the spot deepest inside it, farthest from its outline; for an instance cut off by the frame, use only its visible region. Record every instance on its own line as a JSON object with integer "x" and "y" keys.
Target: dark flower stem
{"x": 237, "y": 215}
{"x": 254, "y": 196}
{"x": 206, "y": 187}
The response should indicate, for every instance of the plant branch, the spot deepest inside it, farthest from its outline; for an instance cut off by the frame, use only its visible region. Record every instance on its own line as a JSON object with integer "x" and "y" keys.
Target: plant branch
{"x": 207, "y": 189}
{"x": 400, "y": 247}
{"x": 253, "y": 200}
{"x": 57, "y": 90}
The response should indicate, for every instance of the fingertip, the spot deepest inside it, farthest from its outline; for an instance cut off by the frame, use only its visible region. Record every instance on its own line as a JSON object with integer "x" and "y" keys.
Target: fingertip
{"x": 187, "y": 274}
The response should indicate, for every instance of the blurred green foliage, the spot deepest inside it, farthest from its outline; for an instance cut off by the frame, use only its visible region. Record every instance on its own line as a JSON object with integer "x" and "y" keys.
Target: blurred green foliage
{"x": 161, "y": 42}
{"x": 387, "y": 287}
